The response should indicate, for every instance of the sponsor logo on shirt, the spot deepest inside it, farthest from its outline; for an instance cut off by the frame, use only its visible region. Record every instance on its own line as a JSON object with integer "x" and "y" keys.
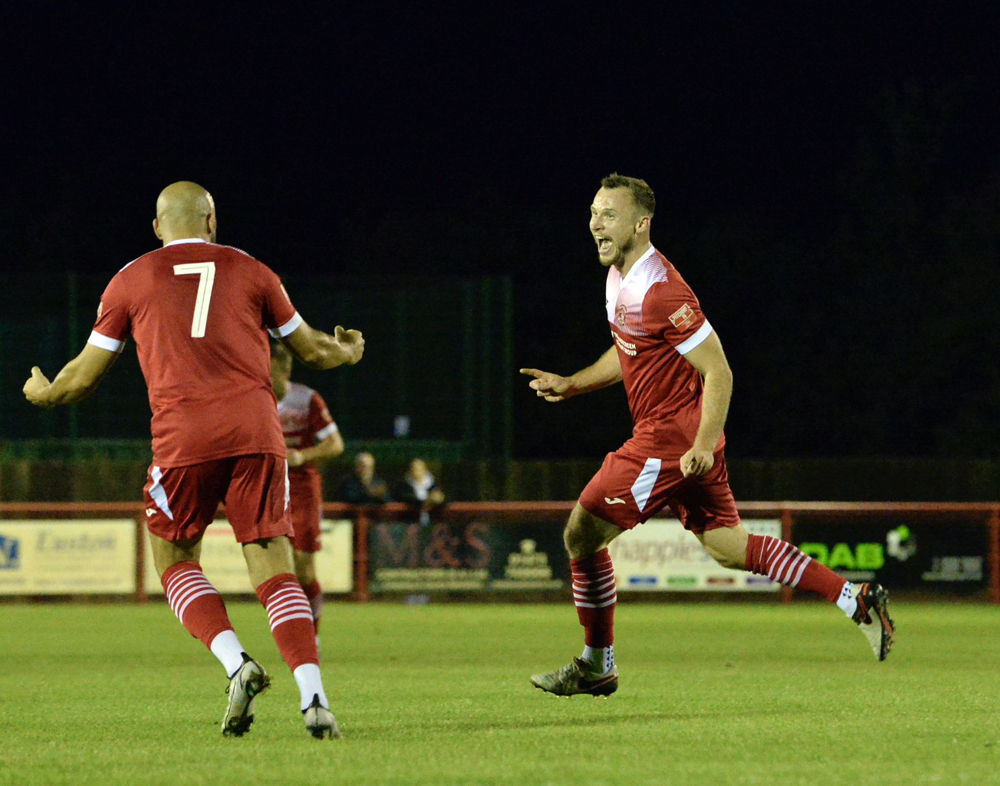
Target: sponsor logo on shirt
{"x": 682, "y": 317}
{"x": 625, "y": 346}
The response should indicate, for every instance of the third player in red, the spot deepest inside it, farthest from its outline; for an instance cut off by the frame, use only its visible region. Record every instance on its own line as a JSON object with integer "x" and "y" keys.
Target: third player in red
{"x": 311, "y": 436}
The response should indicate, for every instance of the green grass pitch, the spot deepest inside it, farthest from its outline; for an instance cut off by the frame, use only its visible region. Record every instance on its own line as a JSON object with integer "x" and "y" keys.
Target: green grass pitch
{"x": 439, "y": 694}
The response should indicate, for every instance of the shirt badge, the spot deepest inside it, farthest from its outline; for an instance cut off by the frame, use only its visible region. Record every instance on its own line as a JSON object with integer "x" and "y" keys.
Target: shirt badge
{"x": 622, "y": 314}
{"x": 682, "y": 317}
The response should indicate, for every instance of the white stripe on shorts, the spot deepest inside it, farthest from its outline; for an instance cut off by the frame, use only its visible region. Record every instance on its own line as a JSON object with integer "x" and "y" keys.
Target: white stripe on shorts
{"x": 288, "y": 490}
{"x": 643, "y": 485}
{"x": 159, "y": 495}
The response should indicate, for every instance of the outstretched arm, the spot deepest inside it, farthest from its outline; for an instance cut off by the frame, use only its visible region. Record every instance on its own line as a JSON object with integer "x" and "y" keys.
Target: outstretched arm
{"x": 77, "y": 380}
{"x": 320, "y": 350}
{"x": 711, "y": 363}
{"x": 552, "y": 387}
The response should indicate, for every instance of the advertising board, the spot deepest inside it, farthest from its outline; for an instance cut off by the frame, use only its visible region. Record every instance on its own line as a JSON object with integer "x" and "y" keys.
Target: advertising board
{"x": 223, "y": 563}
{"x": 661, "y": 555}
{"x": 67, "y": 556}
{"x": 943, "y": 555}
{"x": 479, "y": 554}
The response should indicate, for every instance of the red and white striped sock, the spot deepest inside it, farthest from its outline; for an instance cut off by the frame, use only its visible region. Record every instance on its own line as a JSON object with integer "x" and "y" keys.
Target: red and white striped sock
{"x": 595, "y": 596}
{"x": 200, "y": 609}
{"x": 782, "y": 562}
{"x": 291, "y": 619}
{"x": 315, "y": 595}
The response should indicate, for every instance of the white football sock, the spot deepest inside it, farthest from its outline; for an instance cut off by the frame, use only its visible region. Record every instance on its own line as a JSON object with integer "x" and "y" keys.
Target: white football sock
{"x": 602, "y": 658}
{"x": 310, "y": 684}
{"x": 848, "y": 600}
{"x": 227, "y": 648}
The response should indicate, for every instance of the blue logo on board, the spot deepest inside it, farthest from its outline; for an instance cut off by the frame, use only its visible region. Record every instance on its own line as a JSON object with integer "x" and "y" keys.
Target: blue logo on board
{"x": 10, "y": 553}
{"x": 642, "y": 581}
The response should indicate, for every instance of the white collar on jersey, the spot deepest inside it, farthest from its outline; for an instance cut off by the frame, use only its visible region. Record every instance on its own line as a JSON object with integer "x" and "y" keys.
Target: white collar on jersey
{"x": 639, "y": 261}
{"x": 186, "y": 240}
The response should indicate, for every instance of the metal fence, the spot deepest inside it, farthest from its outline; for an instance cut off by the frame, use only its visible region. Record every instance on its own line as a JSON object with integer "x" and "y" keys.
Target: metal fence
{"x": 436, "y": 365}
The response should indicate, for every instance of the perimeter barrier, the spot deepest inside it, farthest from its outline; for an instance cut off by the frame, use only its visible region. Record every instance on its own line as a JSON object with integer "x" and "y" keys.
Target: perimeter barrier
{"x": 511, "y": 549}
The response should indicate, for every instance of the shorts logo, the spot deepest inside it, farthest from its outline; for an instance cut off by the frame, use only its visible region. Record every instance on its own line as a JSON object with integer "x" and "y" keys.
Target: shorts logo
{"x": 150, "y": 512}
{"x": 614, "y": 500}
{"x": 622, "y": 315}
{"x": 682, "y": 317}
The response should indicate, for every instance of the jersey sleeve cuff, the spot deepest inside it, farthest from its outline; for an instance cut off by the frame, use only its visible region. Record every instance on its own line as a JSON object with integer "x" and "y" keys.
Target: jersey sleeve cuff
{"x": 289, "y": 327}
{"x": 695, "y": 339}
{"x": 105, "y": 342}
{"x": 326, "y": 431}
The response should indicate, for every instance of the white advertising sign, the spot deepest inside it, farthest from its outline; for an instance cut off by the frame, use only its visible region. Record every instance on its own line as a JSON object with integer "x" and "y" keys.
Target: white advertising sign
{"x": 223, "y": 563}
{"x": 661, "y": 555}
{"x": 67, "y": 556}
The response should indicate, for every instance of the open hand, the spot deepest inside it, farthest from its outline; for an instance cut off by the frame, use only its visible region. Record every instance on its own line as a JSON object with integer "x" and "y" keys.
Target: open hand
{"x": 549, "y": 386}
{"x": 35, "y": 386}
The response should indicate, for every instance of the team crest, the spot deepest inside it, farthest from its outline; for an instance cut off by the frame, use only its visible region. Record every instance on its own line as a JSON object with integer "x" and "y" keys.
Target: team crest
{"x": 622, "y": 314}
{"x": 682, "y": 317}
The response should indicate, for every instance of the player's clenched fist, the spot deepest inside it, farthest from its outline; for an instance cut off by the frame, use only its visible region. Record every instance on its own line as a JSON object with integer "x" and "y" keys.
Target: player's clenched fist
{"x": 551, "y": 387}
{"x": 33, "y": 388}
{"x": 697, "y": 462}
{"x": 352, "y": 342}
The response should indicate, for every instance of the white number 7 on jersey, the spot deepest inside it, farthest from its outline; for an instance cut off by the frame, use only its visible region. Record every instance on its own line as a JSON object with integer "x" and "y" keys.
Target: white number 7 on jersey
{"x": 206, "y": 270}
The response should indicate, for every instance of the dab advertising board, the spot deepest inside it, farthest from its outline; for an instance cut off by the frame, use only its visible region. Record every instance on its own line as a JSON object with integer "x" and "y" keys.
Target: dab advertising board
{"x": 661, "y": 555}
{"x": 945, "y": 554}
{"x": 479, "y": 554}
{"x": 67, "y": 556}
{"x": 223, "y": 563}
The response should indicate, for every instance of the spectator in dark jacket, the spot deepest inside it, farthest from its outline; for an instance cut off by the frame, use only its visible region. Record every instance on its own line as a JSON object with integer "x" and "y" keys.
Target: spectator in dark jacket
{"x": 363, "y": 486}
{"x": 419, "y": 488}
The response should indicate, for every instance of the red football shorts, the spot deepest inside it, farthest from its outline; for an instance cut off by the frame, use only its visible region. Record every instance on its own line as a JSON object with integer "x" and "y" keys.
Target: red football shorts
{"x": 631, "y": 487}
{"x": 182, "y": 501}
{"x": 306, "y": 504}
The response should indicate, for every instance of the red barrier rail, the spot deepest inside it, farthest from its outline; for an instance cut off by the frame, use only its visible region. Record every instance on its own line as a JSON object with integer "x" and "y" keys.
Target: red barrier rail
{"x": 789, "y": 513}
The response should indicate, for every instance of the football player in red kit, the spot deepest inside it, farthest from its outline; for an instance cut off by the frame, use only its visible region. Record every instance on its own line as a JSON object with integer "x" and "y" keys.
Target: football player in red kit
{"x": 678, "y": 384}
{"x": 311, "y": 436}
{"x": 199, "y": 313}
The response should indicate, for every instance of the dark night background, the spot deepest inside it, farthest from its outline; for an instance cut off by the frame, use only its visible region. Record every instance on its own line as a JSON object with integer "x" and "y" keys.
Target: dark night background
{"x": 827, "y": 177}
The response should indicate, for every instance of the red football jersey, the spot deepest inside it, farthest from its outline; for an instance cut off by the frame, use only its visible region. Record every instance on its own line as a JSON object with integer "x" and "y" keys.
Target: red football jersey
{"x": 656, "y": 320}
{"x": 305, "y": 420}
{"x": 199, "y": 313}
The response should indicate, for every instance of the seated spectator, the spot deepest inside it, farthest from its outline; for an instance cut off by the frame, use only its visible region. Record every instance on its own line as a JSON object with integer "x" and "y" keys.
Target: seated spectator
{"x": 363, "y": 486}
{"x": 418, "y": 487}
